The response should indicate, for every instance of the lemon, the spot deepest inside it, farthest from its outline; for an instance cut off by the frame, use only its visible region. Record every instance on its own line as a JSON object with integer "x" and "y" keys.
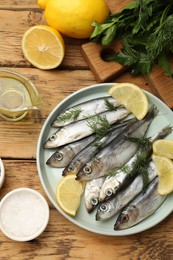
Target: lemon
{"x": 132, "y": 97}
{"x": 73, "y": 18}
{"x": 42, "y": 3}
{"x": 163, "y": 148}
{"x": 164, "y": 168}
{"x": 68, "y": 194}
{"x": 43, "y": 47}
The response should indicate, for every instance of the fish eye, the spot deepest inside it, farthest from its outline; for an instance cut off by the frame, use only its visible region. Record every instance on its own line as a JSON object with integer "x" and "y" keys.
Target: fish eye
{"x": 109, "y": 192}
{"x": 59, "y": 156}
{"x": 52, "y": 137}
{"x": 94, "y": 201}
{"x": 87, "y": 170}
{"x": 125, "y": 218}
{"x": 71, "y": 167}
{"x": 103, "y": 207}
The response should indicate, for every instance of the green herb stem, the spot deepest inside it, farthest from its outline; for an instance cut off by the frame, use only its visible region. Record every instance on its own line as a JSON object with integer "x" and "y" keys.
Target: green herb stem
{"x": 146, "y": 30}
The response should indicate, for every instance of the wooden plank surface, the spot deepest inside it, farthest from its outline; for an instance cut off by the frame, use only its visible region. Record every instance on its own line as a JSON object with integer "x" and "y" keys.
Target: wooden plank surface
{"x": 61, "y": 239}
{"x": 64, "y": 240}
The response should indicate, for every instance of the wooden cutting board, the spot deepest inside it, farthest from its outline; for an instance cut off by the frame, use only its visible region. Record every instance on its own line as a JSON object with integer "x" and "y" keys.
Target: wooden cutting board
{"x": 94, "y": 54}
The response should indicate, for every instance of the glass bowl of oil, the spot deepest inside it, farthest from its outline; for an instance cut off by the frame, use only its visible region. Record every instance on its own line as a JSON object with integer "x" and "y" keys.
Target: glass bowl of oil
{"x": 18, "y": 96}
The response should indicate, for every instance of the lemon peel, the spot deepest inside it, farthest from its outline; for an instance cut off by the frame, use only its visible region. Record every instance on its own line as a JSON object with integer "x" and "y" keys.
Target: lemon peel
{"x": 74, "y": 18}
{"x": 68, "y": 194}
{"x": 164, "y": 168}
{"x": 163, "y": 147}
{"x": 132, "y": 97}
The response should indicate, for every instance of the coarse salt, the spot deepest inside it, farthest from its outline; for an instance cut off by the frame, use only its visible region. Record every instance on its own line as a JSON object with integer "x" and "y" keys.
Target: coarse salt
{"x": 24, "y": 214}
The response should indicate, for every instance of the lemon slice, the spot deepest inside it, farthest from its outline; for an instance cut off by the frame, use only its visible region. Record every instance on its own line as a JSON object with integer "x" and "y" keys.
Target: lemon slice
{"x": 43, "y": 47}
{"x": 68, "y": 194}
{"x": 163, "y": 148}
{"x": 164, "y": 168}
{"x": 132, "y": 97}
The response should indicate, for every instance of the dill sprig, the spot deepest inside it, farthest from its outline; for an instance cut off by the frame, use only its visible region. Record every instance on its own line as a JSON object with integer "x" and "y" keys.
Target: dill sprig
{"x": 71, "y": 114}
{"x": 140, "y": 166}
{"x": 109, "y": 105}
{"x": 143, "y": 142}
{"x": 145, "y": 177}
{"x": 99, "y": 125}
{"x": 141, "y": 162}
{"x": 99, "y": 144}
{"x": 146, "y": 30}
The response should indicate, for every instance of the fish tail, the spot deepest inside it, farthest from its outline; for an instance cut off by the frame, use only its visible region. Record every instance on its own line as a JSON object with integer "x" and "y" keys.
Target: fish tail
{"x": 152, "y": 113}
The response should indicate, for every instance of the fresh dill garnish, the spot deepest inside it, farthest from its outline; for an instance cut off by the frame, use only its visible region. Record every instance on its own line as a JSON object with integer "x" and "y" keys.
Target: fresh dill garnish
{"x": 140, "y": 166}
{"x": 143, "y": 142}
{"x": 109, "y": 105}
{"x": 99, "y": 144}
{"x": 71, "y": 114}
{"x": 126, "y": 168}
{"x": 145, "y": 177}
{"x": 99, "y": 125}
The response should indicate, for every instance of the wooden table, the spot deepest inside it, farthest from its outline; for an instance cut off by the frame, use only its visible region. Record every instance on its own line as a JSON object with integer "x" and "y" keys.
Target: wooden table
{"x": 61, "y": 239}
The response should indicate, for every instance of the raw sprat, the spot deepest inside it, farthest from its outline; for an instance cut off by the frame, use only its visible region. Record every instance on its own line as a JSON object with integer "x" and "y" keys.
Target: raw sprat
{"x": 124, "y": 162}
{"x": 137, "y": 165}
{"x": 80, "y": 129}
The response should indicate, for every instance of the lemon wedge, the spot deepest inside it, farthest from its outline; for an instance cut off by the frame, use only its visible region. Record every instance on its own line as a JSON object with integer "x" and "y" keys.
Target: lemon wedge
{"x": 163, "y": 148}
{"x": 131, "y": 97}
{"x": 68, "y": 194}
{"x": 164, "y": 168}
{"x": 43, "y": 47}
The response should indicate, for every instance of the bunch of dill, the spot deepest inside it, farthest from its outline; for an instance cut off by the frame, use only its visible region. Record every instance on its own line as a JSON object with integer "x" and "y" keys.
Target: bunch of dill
{"x": 146, "y": 30}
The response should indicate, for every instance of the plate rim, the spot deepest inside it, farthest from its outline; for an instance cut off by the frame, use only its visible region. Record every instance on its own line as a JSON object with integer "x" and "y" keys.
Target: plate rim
{"x": 130, "y": 231}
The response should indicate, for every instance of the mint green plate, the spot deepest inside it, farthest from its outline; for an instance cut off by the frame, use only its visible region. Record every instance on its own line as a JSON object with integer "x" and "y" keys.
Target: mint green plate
{"x": 49, "y": 177}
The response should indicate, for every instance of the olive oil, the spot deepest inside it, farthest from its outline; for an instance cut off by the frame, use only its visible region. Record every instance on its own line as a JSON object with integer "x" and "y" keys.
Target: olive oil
{"x": 17, "y": 96}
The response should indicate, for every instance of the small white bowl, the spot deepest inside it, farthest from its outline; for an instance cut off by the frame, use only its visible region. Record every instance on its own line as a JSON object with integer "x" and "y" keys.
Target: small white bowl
{"x": 2, "y": 173}
{"x": 24, "y": 214}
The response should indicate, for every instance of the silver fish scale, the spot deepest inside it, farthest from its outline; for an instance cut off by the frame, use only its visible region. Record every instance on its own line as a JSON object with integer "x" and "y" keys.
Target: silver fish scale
{"x": 86, "y": 154}
{"x": 78, "y": 130}
{"x": 118, "y": 152}
{"x": 63, "y": 155}
{"x": 122, "y": 176}
{"x": 145, "y": 204}
{"x": 111, "y": 207}
{"x": 91, "y": 194}
{"x": 87, "y": 109}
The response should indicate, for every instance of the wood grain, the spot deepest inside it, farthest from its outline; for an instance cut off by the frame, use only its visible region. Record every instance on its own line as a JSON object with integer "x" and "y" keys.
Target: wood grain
{"x": 64, "y": 240}
{"x": 12, "y": 31}
{"x": 104, "y": 71}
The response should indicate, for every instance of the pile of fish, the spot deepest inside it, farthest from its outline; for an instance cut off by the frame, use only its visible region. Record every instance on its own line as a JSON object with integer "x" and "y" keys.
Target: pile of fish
{"x": 101, "y": 143}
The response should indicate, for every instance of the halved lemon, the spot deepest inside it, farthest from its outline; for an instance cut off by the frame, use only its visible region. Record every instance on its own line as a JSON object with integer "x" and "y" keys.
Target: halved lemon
{"x": 43, "y": 47}
{"x": 131, "y": 97}
{"x": 68, "y": 194}
{"x": 164, "y": 168}
{"x": 164, "y": 148}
